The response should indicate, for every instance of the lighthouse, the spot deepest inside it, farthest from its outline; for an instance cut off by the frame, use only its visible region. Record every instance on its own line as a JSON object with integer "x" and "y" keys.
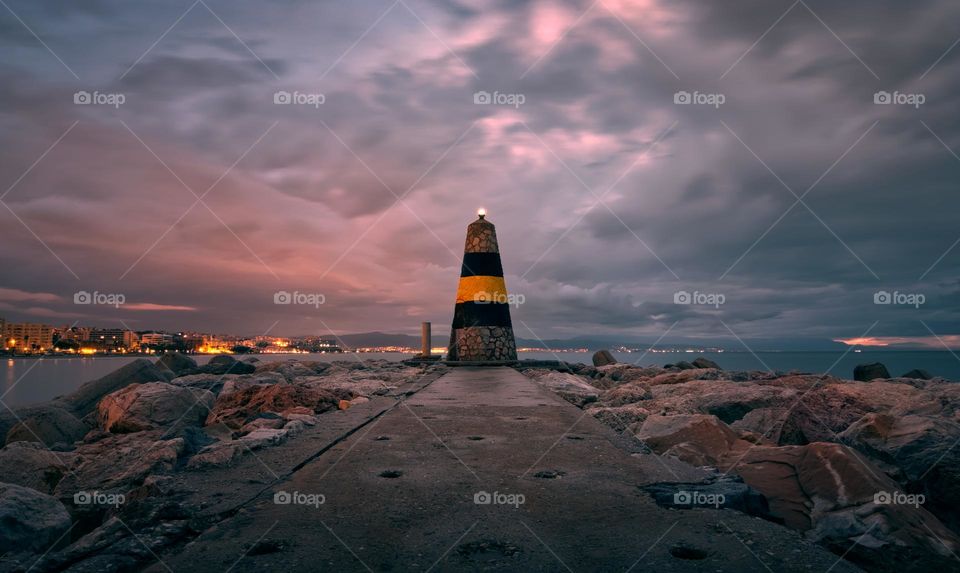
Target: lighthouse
{"x": 481, "y": 329}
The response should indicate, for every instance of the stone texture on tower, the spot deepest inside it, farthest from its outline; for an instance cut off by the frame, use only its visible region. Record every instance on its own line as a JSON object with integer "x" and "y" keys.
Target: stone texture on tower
{"x": 481, "y": 329}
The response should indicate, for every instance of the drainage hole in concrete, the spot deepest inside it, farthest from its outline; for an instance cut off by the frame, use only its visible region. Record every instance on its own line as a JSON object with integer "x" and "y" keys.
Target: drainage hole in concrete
{"x": 520, "y": 418}
{"x": 391, "y": 473}
{"x": 382, "y": 438}
{"x": 549, "y": 474}
{"x": 687, "y": 552}
{"x": 574, "y": 437}
{"x": 475, "y": 438}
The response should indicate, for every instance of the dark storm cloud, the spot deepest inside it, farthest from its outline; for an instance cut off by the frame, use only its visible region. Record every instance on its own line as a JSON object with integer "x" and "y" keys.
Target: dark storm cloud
{"x": 161, "y": 75}
{"x": 305, "y": 197}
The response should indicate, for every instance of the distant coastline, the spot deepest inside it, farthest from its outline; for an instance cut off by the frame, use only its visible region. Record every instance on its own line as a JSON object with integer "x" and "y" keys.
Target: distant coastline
{"x": 519, "y": 350}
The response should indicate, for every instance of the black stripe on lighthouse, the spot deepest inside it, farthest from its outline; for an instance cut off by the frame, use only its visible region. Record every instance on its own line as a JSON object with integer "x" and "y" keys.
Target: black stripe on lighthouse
{"x": 469, "y": 314}
{"x": 481, "y": 265}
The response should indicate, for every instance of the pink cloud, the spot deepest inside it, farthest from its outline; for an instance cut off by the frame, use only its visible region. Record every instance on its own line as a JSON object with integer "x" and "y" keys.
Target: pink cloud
{"x": 16, "y": 295}
{"x": 933, "y": 342}
{"x": 149, "y": 306}
{"x": 548, "y": 22}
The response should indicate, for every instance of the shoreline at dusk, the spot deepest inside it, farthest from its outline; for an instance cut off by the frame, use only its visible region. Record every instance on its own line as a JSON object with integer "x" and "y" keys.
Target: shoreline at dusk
{"x": 487, "y": 286}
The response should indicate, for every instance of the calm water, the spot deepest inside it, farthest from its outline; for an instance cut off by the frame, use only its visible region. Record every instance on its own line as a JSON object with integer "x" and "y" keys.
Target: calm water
{"x": 29, "y": 380}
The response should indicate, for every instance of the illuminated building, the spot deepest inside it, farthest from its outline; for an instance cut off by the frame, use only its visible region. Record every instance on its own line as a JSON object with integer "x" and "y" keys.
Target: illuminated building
{"x": 156, "y": 339}
{"x": 27, "y": 337}
{"x": 107, "y": 339}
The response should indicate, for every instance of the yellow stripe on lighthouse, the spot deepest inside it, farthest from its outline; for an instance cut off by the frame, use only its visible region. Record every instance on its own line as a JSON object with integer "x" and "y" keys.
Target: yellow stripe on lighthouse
{"x": 483, "y": 289}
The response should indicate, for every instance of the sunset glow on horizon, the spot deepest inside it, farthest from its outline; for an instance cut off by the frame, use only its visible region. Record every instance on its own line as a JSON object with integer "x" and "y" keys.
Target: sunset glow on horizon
{"x": 931, "y": 342}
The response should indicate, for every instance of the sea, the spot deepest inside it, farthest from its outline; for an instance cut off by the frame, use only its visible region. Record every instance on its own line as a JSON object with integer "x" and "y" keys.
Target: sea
{"x": 26, "y": 381}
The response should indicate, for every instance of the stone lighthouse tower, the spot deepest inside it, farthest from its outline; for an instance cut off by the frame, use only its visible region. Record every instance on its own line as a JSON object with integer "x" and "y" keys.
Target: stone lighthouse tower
{"x": 481, "y": 329}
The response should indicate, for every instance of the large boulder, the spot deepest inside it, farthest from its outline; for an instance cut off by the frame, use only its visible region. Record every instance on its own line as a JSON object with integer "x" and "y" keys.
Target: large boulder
{"x": 831, "y": 408}
{"x": 153, "y": 405}
{"x": 32, "y": 465}
{"x": 842, "y": 501}
{"x": 603, "y": 358}
{"x": 225, "y": 453}
{"x": 226, "y": 364}
{"x": 620, "y": 418}
{"x": 607, "y": 377}
{"x": 582, "y": 369}
{"x": 871, "y": 371}
{"x": 119, "y": 461}
{"x": 30, "y": 520}
{"x": 922, "y": 451}
{"x": 727, "y": 400}
{"x": 211, "y": 382}
{"x": 768, "y": 423}
{"x": 217, "y": 455}
{"x": 698, "y": 439}
{"x": 629, "y": 393}
{"x": 48, "y": 425}
{"x": 917, "y": 374}
{"x": 293, "y": 369}
{"x": 667, "y": 377}
{"x": 10, "y": 418}
{"x": 140, "y": 371}
{"x": 570, "y": 387}
{"x": 238, "y": 408}
{"x": 349, "y": 382}
{"x": 724, "y": 491}
{"x": 236, "y": 383}
{"x": 177, "y": 363}
{"x": 702, "y": 362}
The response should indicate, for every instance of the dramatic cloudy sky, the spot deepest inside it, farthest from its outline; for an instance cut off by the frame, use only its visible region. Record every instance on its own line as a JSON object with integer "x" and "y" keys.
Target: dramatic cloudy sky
{"x": 199, "y": 198}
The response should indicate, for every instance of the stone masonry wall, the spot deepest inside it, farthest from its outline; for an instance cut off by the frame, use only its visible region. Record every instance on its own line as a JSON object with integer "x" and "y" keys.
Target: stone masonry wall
{"x": 485, "y": 343}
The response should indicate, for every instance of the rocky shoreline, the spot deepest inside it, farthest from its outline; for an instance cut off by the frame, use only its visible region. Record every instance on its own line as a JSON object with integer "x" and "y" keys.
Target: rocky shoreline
{"x": 78, "y": 472}
{"x": 866, "y": 468}
{"x": 139, "y": 462}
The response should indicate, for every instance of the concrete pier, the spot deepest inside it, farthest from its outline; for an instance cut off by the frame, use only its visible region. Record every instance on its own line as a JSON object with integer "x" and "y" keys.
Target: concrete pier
{"x": 432, "y": 482}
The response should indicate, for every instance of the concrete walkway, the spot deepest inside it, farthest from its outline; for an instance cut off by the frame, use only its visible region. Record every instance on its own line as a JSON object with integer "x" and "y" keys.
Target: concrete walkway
{"x": 399, "y": 495}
